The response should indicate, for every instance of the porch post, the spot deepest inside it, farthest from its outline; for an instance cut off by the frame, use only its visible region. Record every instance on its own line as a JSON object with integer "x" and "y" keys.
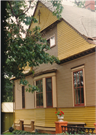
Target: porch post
{"x": 58, "y": 125}
{"x": 95, "y": 127}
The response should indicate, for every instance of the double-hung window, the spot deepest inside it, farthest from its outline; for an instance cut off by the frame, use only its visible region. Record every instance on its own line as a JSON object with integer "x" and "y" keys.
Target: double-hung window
{"x": 78, "y": 86}
{"x": 39, "y": 94}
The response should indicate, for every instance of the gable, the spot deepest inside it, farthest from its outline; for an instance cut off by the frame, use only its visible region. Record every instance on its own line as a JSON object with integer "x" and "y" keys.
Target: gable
{"x": 46, "y": 17}
{"x": 69, "y": 41}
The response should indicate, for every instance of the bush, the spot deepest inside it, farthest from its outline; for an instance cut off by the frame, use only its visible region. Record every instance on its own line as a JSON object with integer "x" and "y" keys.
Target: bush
{"x": 24, "y": 132}
{"x": 11, "y": 129}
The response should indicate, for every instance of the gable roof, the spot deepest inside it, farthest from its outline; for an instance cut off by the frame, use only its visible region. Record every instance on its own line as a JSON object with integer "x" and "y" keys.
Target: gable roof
{"x": 83, "y": 20}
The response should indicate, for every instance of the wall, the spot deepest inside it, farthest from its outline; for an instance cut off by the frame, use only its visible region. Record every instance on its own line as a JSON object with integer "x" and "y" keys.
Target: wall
{"x": 46, "y": 117}
{"x": 64, "y": 81}
{"x": 46, "y": 17}
{"x": 69, "y": 41}
{"x": 7, "y": 121}
{"x": 29, "y": 97}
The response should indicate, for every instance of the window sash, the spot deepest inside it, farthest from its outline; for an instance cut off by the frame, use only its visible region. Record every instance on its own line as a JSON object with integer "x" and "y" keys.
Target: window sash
{"x": 23, "y": 97}
{"x": 51, "y": 41}
{"x": 49, "y": 93}
{"x": 39, "y": 95}
{"x": 78, "y": 85}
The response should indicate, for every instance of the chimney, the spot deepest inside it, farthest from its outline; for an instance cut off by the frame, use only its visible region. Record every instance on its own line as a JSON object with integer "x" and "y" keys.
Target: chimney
{"x": 90, "y": 4}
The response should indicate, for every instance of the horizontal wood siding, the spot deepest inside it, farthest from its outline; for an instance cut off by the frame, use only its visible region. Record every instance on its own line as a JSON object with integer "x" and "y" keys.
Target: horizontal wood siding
{"x": 50, "y": 117}
{"x": 29, "y": 95}
{"x": 25, "y": 114}
{"x": 64, "y": 81}
{"x": 69, "y": 41}
{"x": 46, "y": 17}
{"x": 46, "y": 117}
{"x": 18, "y": 95}
{"x": 80, "y": 114}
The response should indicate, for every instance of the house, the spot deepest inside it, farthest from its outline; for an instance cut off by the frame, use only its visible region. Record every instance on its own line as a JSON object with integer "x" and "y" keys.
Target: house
{"x": 69, "y": 85}
{"x": 7, "y": 115}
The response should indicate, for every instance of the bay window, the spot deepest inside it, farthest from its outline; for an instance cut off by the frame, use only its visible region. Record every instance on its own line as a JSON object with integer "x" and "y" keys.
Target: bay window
{"x": 39, "y": 94}
{"x": 46, "y": 96}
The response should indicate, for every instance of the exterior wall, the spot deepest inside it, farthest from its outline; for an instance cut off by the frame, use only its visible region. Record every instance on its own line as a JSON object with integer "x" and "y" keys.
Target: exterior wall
{"x": 42, "y": 117}
{"x": 69, "y": 41}
{"x": 46, "y": 117}
{"x": 80, "y": 114}
{"x": 64, "y": 81}
{"x": 7, "y": 121}
{"x": 18, "y": 95}
{"x": 52, "y": 51}
{"x": 46, "y": 17}
{"x": 29, "y": 97}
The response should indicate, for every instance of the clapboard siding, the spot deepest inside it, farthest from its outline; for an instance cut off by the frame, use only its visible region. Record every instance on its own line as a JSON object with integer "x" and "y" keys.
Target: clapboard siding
{"x": 46, "y": 117}
{"x": 69, "y": 41}
{"x": 29, "y": 96}
{"x": 46, "y": 17}
{"x": 80, "y": 114}
{"x": 18, "y": 95}
{"x": 64, "y": 81}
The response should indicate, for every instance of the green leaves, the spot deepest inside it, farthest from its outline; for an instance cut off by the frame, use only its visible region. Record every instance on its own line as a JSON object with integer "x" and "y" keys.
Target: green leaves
{"x": 31, "y": 48}
{"x": 57, "y": 4}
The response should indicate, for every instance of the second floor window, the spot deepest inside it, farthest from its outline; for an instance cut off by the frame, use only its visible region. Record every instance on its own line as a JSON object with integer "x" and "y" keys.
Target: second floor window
{"x": 51, "y": 41}
{"x": 39, "y": 94}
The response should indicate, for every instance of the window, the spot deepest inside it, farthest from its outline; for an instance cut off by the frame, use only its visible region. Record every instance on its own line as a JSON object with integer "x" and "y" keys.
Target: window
{"x": 23, "y": 97}
{"x": 49, "y": 92}
{"x": 78, "y": 85}
{"x": 46, "y": 97}
{"x": 51, "y": 41}
{"x": 39, "y": 94}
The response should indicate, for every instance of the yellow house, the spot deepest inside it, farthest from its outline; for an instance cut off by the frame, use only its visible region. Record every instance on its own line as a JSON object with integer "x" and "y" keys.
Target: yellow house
{"x": 69, "y": 85}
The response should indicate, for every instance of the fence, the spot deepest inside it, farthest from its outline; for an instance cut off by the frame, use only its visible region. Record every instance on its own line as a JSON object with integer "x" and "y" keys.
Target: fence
{"x": 74, "y": 129}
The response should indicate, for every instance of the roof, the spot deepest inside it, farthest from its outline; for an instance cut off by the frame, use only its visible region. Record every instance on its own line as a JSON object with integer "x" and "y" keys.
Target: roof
{"x": 7, "y": 107}
{"x": 83, "y": 20}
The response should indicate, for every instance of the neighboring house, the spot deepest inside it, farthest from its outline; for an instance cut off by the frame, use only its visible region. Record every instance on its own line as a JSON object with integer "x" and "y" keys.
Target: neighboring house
{"x": 7, "y": 115}
{"x": 69, "y": 85}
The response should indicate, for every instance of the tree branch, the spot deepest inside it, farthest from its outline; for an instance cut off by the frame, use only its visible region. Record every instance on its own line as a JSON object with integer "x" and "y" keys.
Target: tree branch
{"x": 12, "y": 9}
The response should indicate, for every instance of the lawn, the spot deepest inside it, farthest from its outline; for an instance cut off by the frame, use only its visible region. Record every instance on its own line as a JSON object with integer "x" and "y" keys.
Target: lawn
{"x": 8, "y": 133}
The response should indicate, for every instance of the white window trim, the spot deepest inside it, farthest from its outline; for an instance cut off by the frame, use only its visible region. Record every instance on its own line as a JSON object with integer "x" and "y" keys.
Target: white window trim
{"x": 75, "y": 69}
{"x": 50, "y": 38}
{"x": 43, "y": 77}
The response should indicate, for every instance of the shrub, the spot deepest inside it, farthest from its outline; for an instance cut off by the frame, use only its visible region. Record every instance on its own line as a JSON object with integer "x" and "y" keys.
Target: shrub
{"x": 11, "y": 129}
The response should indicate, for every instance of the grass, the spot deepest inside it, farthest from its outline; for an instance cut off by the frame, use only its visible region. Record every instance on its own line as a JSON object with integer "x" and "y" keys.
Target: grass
{"x": 7, "y": 133}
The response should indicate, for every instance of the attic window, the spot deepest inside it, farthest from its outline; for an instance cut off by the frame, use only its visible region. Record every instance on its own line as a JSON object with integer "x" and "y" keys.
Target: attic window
{"x": 51, "y": 41}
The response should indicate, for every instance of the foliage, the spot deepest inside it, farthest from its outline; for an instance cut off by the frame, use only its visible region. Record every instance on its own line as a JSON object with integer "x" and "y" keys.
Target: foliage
{"x": 59, "y": 112}
{"x": 80, "y": 3}
{"x": 20, "y": 51}
{"x": 7, "y": 93}
{"x": 24, "y": 132}
{"x": 59, "y": 8}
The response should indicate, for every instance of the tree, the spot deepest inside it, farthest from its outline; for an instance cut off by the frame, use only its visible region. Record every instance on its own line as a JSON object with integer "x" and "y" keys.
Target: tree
{"x": 19, "y": 51}
{"x": 7, "y": 93}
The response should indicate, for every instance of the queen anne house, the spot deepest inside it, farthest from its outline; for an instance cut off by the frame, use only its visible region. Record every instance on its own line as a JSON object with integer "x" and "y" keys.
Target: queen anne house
{"x": 69, "y": 85}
